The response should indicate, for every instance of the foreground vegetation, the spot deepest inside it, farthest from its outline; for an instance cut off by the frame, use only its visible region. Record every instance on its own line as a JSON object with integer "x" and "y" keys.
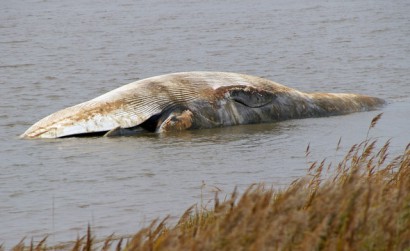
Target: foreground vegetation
{"x": 363, "y": 205}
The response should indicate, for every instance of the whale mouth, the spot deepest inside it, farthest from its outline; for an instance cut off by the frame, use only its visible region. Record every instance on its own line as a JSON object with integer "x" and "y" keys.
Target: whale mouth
{"x": 116, "y": 132}
{"x": 148, "y": 126}
{"x": 85, "y": 135}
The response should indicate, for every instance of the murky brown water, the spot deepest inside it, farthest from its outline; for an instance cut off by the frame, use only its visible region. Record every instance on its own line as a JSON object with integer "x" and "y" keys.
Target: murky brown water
{"x": 58, "y": 53}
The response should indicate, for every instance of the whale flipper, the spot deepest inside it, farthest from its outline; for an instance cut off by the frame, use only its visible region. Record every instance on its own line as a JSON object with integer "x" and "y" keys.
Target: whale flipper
{"x": 248, "y": 95}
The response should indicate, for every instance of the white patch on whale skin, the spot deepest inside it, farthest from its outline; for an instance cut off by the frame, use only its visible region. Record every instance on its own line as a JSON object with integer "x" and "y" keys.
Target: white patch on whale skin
{"x": 95, "y": 123}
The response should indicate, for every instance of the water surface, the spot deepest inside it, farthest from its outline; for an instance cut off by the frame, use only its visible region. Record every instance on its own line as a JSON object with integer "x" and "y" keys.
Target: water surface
{"x": 58, "y": 53}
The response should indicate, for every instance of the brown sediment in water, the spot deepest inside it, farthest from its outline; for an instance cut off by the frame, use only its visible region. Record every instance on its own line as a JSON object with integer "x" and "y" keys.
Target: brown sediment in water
{"x": 363, "y": 205}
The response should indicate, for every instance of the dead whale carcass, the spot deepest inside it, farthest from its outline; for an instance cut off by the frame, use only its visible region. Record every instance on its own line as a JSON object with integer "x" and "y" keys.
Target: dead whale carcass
{"x": 194, "y": 100}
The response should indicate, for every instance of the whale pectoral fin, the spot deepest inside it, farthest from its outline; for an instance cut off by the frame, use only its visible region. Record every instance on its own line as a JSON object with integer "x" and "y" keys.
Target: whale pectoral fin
{"x": 250, "y": 96}
{"x": 176, "y": 121}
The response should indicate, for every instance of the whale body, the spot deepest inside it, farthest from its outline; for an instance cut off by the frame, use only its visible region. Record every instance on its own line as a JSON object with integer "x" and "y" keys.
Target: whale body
{"x": 194, "y": 100}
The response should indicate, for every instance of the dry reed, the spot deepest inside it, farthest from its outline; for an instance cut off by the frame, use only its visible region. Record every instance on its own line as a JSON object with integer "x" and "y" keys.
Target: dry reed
{"x": 364, "y": 206}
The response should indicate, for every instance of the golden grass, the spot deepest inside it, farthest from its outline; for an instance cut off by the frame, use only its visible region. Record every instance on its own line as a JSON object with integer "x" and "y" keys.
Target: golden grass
{"x": 364, "y": 205}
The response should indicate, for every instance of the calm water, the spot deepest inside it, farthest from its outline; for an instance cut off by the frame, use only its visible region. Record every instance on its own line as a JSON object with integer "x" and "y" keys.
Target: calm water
{"x": 58, "y": 53}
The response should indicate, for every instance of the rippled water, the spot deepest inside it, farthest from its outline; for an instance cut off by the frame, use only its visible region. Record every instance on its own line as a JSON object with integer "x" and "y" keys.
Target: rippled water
{"x": 58, "y": 53}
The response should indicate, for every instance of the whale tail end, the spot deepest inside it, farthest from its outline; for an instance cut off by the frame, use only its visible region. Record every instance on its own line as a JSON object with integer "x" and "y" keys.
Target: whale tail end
{"x": 344, "y": 103}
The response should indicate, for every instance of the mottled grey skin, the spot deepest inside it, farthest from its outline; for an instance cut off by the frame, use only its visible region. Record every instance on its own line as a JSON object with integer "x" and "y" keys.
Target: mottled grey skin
{"x": 194, "y": 100}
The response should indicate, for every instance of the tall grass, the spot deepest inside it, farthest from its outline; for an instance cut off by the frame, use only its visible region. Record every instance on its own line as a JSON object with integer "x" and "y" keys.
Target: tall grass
{"x": 364, "y": 205}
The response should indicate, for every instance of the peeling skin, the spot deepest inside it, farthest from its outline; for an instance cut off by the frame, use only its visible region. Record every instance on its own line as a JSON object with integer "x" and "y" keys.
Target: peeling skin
{"x": 194, "y": 100}
{"x": 177, "y": 122}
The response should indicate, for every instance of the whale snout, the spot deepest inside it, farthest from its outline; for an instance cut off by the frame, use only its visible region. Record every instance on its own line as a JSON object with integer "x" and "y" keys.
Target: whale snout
{"x": 39, "y": 133}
